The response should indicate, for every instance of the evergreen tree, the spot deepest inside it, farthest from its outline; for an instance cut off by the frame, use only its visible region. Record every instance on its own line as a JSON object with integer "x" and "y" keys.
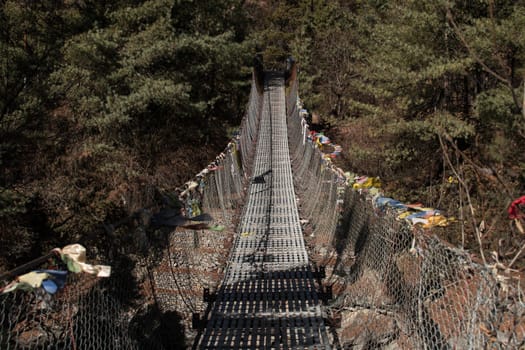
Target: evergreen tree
{"x": 415, "y": 83}
{"x": 108, "y": 95}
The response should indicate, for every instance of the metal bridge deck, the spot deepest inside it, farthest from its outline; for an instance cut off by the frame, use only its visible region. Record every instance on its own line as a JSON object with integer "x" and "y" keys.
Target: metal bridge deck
{"x": 268, "y": 298}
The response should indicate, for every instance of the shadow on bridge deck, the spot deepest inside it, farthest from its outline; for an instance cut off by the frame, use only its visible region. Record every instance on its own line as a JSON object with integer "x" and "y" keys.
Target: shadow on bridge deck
{"x": 276, "y": 309}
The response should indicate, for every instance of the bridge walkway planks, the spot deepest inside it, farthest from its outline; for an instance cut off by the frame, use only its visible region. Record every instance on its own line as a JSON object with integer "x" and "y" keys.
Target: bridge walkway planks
{"x": 268, "y": 298}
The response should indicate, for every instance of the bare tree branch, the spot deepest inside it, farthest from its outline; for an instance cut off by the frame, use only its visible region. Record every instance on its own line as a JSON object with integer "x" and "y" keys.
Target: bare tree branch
{"x": 469, "y": 201}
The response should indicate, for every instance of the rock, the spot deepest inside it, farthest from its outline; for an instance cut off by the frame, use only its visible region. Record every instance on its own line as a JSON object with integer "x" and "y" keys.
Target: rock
{"x": 367, "y": 329}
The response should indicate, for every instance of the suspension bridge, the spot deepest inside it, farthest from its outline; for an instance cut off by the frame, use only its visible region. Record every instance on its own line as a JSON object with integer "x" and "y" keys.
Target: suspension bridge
{"x": 268, "y": 298}
{"x": 394, "y": 286}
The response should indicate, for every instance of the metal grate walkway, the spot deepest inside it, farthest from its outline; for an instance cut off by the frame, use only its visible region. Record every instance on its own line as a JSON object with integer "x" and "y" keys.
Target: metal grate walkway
{"x": 268, "y": 299}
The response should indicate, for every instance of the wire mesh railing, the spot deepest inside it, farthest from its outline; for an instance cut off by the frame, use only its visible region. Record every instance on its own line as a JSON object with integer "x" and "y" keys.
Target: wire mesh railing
{"x": 398, "y": 285}
{"x": 318, "y": 182}
{"x": 435, "y": 296}
{"x": 87, "y": 312}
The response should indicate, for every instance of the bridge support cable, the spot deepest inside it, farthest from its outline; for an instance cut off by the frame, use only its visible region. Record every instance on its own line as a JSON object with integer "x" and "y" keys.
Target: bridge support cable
{"x": 268, "y": 298}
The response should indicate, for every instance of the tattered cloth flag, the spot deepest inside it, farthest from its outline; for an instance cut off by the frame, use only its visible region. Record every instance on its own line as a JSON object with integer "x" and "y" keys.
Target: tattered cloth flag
{"x": 27, "y": 282}
{"x": 74, "y": 255}
{"x": 50, "y": 280}
{"x": 517, "y": 212}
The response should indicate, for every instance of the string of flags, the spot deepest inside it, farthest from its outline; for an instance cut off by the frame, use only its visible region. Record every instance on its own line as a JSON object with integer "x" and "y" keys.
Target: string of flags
{"x": 73, "y": 256}
{"x": 321, "y": 141}
{"x": 414, "y": 214}
{"x": 190, "y": 195}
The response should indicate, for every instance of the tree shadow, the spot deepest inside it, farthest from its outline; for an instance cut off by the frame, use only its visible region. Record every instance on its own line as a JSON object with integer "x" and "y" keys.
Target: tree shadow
{"x": 156, "y": 330}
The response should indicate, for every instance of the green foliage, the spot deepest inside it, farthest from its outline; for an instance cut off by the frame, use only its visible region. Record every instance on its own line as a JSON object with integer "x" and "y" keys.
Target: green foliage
{"x": 212, "y": 17}
{"x": 278, "y": 30}
{"x": 12, "y": 203}
{"x": 494, "y": 108}
{"x": 132, "y": 19}
{"x": 99, "y": 99}
{"x": 413, "y": 83}
{"x": 452, "y": 125}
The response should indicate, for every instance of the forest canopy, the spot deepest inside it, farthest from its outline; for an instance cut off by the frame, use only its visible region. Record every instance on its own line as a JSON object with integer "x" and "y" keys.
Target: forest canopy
{"x": 105, "y": 103}
{"x": 427, "y": 95}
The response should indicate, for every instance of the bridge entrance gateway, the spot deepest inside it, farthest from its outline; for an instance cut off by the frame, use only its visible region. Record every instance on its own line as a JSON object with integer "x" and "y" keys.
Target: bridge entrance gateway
{"x": 268, "y": 298}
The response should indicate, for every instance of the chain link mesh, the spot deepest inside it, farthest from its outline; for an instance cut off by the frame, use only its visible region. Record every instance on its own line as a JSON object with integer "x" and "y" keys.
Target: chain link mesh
{"x": 398, "y": 286}
{"x": 318, "y": 183}
{"x": 87, "y": 314}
